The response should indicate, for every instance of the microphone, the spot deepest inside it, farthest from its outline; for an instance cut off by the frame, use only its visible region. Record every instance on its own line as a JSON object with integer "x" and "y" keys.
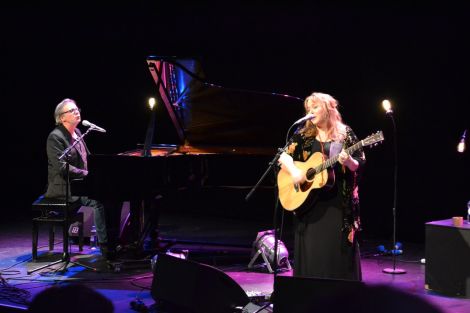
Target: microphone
{"x": 461, "y": 146}
{"x": 309, "y": 116}
{"x": 93, "y": 126}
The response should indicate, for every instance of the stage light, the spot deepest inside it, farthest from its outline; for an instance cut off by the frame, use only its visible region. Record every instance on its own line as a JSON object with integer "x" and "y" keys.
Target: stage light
{"x": 468, "y": 212}
{"x": 152, "y": 103}
{"x": 387, "y": 105}
{"x": 461, "y": 145}
{"x": 264, "y": 246}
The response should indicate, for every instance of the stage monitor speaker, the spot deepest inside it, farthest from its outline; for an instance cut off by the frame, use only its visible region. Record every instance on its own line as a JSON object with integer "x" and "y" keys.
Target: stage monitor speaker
{"x": 302, "y": 294}
{"x": 195, "y": 287}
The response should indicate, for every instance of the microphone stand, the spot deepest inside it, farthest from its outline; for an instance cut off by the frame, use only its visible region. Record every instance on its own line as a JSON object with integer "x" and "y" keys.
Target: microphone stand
{"x": 66, "y": 255}
{"x": 394, "y": 270}
{"x": 273, "y": 164}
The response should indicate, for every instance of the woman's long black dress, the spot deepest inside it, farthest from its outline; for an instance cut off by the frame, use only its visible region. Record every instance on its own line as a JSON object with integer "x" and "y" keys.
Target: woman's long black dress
{"x": 321, "y": 245}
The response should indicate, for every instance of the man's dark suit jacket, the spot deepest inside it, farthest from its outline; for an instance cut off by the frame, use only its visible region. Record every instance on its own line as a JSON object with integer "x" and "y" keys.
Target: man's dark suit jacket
{"x": 58, "y": 140}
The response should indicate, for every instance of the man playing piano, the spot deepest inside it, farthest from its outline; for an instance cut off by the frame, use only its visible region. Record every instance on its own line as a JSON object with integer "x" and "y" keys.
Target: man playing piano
{"x": 67, "y": 117}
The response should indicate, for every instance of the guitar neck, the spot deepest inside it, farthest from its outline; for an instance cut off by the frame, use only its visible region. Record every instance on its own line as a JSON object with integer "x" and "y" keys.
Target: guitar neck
{"x": 331, "y": 161}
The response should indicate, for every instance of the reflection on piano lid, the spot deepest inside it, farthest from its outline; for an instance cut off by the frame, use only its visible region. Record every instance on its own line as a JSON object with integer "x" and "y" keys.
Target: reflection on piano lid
{"x": 207, "y": 118}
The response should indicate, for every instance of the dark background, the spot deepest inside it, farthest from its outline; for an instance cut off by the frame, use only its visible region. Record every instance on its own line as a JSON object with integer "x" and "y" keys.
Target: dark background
{"x": 416, "y": 56}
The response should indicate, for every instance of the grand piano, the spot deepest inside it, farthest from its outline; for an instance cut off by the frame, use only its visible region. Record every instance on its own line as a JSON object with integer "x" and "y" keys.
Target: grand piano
{"x": 223, "y": 139}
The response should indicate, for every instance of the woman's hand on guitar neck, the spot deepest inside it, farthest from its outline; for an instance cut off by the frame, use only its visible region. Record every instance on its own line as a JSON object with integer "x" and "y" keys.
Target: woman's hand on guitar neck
{"x": 345, "y": 159}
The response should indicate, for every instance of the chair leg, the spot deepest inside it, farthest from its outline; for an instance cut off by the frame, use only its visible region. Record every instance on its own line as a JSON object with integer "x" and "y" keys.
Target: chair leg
{"x": 80, "y": 231}
{"x": 65, "y": 230}
{"x": 35, "y": 241}
{"x": 51, "y": 237}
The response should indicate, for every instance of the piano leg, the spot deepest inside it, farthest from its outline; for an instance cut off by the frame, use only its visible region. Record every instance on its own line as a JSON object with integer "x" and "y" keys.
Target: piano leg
{"x": 139, "y": 237}
{"x": 150, "y": 214}
{"x": 113, "y": 221}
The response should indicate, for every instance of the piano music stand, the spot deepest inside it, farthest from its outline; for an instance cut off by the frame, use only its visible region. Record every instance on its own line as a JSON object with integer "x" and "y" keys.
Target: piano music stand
{"x": 66, "y": 255}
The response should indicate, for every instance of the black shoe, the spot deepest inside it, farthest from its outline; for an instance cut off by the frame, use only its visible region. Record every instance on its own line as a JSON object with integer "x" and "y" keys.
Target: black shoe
{"x": 107, "y": 253}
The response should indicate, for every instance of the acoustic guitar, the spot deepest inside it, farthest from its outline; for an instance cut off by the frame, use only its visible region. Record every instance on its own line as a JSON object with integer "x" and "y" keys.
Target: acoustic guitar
{"x": 319, "y": 175}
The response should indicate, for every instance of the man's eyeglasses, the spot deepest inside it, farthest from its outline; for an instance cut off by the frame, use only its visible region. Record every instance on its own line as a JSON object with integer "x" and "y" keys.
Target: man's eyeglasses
{"x": 74, "y": 110}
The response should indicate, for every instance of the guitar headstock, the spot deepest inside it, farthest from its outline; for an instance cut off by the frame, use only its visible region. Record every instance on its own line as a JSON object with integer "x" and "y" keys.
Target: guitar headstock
{"x": 373, "y": 139}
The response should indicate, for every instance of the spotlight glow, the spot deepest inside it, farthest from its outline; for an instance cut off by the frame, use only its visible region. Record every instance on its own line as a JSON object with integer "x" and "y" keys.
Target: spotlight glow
{"x": 461, "y": 147}
{"x": 387, "y": 105}
{"x": 152, "y": 103}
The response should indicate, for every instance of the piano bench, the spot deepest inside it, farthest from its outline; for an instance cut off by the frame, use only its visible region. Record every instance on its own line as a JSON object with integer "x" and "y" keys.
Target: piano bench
{"x": 52, "y": 214}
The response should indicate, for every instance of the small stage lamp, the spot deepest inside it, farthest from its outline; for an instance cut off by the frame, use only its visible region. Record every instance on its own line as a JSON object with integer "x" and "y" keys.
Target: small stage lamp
{"x": 152, "y": 103}
{"x": 387, "y": 105}
{"x": 461, "y": 145}
{"x": 264, "y": 246}
{"x": 147, "y": 150}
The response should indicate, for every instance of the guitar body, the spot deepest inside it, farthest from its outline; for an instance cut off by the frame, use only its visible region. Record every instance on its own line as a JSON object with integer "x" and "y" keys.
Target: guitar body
{"x": 319, "y": 175}
{"x": 292, "y": 196}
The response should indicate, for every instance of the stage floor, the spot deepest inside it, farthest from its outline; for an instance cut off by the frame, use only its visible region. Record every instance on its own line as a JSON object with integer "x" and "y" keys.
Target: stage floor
{"x": 222, "y": 243}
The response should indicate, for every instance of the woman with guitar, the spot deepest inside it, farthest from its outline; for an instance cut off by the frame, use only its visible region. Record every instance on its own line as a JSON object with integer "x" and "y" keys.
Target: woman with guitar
{"x": 327, "y": 218}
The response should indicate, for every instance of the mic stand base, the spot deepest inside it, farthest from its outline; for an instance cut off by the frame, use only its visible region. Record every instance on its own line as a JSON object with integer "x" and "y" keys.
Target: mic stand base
{"x": 394, "y": 271}
{"x": 66, "y": 260}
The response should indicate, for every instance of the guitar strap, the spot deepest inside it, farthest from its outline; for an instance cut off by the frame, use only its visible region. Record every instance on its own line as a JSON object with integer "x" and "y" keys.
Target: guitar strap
{"x": 335, "y": 148}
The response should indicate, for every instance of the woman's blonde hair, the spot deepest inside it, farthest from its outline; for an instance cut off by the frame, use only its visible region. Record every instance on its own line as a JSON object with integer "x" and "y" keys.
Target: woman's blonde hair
{"x": 336, "y": 129}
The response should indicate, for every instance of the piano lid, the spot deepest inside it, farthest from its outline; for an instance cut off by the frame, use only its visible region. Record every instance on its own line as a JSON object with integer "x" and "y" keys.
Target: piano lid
{"x": 206, "y": 115}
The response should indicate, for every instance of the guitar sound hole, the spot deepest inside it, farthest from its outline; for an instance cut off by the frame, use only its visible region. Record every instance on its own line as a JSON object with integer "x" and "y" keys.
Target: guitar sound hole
{"x": 310, "y": 174}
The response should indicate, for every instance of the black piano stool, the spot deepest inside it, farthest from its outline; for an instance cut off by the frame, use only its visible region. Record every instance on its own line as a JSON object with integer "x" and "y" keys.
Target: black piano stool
{"x": 52, "y": 214}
